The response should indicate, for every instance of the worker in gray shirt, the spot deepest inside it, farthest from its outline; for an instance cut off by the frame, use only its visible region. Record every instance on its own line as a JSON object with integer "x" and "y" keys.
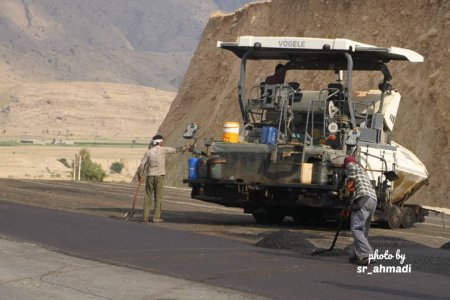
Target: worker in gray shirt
{"x": 152, "y": 169}
{"x": 363, "y": 204}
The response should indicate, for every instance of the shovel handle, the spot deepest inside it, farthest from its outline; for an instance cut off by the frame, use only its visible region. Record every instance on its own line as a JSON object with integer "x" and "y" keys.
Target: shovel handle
{"x": 136, "y": 194}
{"x": 320, "y": 251}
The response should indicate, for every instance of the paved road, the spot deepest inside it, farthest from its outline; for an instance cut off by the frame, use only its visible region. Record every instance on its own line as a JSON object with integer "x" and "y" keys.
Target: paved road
{"x": 32, "y": 272}
{"x": 183, "y": 213}
{"x": 221, "y": 262}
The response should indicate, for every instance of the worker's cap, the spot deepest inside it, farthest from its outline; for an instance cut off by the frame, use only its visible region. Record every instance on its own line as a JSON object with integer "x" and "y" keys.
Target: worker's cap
{"x": 349, "y": 159}
{"x": 157, "y": 139}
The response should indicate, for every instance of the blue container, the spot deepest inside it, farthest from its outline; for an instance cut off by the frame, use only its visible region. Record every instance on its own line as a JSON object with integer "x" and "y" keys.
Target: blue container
{"x": 269, "y": 135}
{"x": 193, "y": 167}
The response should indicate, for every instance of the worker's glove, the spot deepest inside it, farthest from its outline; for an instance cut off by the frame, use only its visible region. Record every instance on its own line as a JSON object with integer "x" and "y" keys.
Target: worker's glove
{"x": 345, "y": 213}
{"x": 139, "y": 178}
{"x": 181, "y": 149}
{"x": 350, "y": 186}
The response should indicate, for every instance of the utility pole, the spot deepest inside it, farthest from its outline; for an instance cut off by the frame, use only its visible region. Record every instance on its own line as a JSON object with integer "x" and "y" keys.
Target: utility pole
{"x": 76, "y": 163}
{"x": 79, "y": 167}
{"x": 74, "y": 167}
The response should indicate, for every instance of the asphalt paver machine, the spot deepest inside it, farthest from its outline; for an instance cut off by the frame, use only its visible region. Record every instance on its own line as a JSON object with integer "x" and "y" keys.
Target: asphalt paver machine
{"x": 288, "y": 161}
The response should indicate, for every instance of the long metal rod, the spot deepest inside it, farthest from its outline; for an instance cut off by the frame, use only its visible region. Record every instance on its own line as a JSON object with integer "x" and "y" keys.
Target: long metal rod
{"x": 324, "y": 111}
{"x": 241, "y": 88}
{"x": 349, "y": 88}
{"x": 306, "y": 134}
{"x": 387, "y": 77}
{"x": 283, "y": 114}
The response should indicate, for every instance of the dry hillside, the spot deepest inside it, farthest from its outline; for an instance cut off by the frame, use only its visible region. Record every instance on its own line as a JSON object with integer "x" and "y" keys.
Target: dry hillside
{"x": 109, "y": 41}
{"x": 48, "y": 48}
{"x": 208, "y": 93}
{"x": 135, "y": 42}
{"x": 82, "y": 111}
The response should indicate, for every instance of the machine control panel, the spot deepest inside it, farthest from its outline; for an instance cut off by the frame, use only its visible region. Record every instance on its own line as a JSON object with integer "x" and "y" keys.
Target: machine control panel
{"x": 353, "y": 137}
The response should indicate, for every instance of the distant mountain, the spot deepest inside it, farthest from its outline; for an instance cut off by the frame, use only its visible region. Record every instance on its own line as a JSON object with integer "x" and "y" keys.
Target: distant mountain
{"x": 94, "y": 69}
{"x": 138, "y": 42}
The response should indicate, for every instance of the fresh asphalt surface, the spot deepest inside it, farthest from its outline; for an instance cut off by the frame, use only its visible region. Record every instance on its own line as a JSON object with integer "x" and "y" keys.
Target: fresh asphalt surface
{"x": 276, "y": 274}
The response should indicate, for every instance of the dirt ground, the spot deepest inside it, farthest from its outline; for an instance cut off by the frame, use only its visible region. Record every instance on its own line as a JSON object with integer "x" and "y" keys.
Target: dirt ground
{"x": 81, "y": 111}
{"x": 41, "y": 162}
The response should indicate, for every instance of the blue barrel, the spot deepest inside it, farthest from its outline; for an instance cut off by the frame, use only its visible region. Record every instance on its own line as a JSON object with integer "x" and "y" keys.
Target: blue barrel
{"x": 269, "y": 135}
{"x": 192, "y": 167}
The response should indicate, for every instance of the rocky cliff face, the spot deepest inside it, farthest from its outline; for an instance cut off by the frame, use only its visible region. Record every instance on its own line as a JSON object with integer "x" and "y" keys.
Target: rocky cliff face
{"x": 208, "y": 94}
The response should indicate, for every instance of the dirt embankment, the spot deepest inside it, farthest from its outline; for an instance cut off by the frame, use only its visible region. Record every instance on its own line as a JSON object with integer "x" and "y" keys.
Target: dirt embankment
{"x": 81, "y": 111}
{"x": 208, "y": 94}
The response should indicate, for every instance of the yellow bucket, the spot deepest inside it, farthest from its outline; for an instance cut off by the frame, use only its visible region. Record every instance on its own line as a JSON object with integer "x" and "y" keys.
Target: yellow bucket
{"x": 306, "y": 171}
{"x": 231, "y": 132}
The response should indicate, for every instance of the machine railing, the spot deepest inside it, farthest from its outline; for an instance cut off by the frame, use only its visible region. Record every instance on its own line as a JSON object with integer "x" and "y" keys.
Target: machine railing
{"x": 272, "y": 107}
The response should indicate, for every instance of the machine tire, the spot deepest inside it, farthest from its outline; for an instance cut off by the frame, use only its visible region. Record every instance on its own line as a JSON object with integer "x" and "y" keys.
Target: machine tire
{"x": 268, "y": 218}
{"x": 394, "y": 217}
{"x": 195, "y": 190}
{"x": 307, "y": 216}
{"x": 301, "y": 219}
{"x": 408, "y": 217}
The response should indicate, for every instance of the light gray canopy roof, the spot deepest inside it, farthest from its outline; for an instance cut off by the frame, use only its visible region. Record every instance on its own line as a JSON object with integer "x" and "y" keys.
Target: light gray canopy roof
{"x": 319, "y": 52}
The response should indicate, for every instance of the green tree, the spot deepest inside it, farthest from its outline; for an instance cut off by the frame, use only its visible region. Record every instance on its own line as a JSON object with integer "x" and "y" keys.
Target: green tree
{"x": 90, "y": 171}
{"x": 116, "y": 167}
